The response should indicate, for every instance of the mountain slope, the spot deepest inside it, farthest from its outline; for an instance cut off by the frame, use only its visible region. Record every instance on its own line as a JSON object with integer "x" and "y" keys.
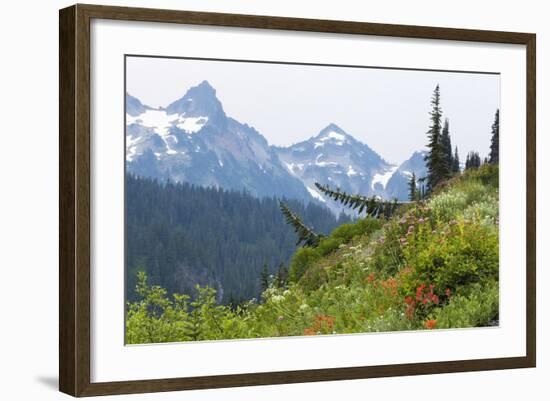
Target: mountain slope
{"x": 182, "y": 235}
{"x": 397, "y": 185}
{"x": 335, "y": 158}
{"x": 193, "y": 140}
{"x": 434, "y": 265}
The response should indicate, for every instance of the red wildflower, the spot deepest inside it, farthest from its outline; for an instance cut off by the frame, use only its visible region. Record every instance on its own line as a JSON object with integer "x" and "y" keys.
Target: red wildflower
{"x": 371, "y": 278}
{"x": 430, "y": 324}
{"x": 420, "y": 291}
{"x": 448, "y": 292}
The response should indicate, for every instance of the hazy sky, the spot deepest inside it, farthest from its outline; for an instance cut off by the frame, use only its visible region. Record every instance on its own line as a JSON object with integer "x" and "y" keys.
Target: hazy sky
{"x": 386, "y": 109}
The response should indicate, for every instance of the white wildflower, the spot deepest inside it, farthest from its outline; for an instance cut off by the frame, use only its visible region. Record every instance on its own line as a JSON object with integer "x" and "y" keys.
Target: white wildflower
{"x": 277, "y": 298}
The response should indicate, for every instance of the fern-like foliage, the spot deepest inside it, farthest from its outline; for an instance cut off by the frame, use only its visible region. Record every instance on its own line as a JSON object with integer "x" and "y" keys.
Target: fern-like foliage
{"x": 372, "y": 206}
{"x": 306, "y": 236}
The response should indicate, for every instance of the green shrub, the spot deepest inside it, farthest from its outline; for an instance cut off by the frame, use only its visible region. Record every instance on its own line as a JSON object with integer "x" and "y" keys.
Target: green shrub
{"x": 451, "y": 255}
{"x": 477, "y": 308}
{"x": 350, "y": 230}
{"x": 387, "y": 257}
{"x": 305, "y": 257}
{"x": 301, "y": 260}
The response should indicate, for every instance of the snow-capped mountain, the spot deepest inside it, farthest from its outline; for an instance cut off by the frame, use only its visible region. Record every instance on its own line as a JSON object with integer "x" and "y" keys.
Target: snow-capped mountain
{"x": 335, "y": 158}
{"x": 193, "y": 140}
{"x": 397, "y": 185}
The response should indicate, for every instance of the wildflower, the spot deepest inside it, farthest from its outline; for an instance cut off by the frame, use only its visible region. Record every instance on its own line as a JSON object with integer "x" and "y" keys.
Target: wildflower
{"x": 371, "y": 278}
{"x": 304, "y": 307}
{"x": 309, "y": 332}
{"x": 409, "y": 300}
{"x": 410, "y": 311}
{"x": 420, "y": 291}
{"x": 280, "y": 317}
{"x": 277, "y": 298}
{"x": 421, "y": 220}
{"x": 448, "y": 292}
{"x": 430, "y": 324}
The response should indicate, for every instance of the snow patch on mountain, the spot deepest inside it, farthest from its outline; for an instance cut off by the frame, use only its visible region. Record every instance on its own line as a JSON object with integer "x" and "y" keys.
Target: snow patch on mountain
{"x": 383, "y": 178}
{"x": 339, "y": 139}
{"x": 315, "y": 194}
{"x": 191, "y": 124}
{"x": 351, "y": 172}
{"x": 161, "y": 122}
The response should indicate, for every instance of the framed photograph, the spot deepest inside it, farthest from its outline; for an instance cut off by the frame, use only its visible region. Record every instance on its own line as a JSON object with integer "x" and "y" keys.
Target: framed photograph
{"x": 250, "y": 200}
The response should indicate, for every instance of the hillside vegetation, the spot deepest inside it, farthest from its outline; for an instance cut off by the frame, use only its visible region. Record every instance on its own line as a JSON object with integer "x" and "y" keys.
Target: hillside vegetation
{"x": 432, "y": 265}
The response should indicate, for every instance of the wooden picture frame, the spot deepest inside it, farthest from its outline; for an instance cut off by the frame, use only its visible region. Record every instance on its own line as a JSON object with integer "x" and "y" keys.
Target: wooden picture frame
{"x": 75, "y": 199}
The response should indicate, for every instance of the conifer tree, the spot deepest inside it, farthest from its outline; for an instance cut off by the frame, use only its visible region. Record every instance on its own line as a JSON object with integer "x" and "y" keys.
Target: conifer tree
{"x": 436, "y": 161}
{"x": 495, "y": 128}
{"x": 192, "y": 327}
{"x": 421, "y": 184}
{"x": 306, "y": 236}
{"x": 264, "y": 278}
{"x": 372, "y": 206}
{"x": 473, "y": 160}
{"x": 456, "y": 162}
{"x": 446, "y": 145}
{"x": 282, "y": 276}
{"x": 413, "y": 193}
{"x": 476, "y": 160}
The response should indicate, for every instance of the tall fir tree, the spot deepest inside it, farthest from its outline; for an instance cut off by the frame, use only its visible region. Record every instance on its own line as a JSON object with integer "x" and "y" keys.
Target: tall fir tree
{"x": 282, "y": 276}
{"x": 495, "y": 128}
{"x": 473, "y": 160}
{"x": 264, "y": 278}
{"x": 446, "y": 144}
{"x": 456, "y": 162}
{"x": 436, "y": 161}
{"x": 413, "y": 193}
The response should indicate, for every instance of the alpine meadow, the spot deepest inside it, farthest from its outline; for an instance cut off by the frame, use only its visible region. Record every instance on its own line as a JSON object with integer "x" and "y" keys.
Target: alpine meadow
{"x": 289, "y": 224}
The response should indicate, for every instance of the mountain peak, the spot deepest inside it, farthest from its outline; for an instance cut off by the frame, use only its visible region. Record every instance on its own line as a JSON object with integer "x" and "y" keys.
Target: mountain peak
{"x": 198, "y": 101}
{"x": 332, "y": 133}
{"x": 206, "y": 84}
{"x": 333, "y": 127}
{"x": 415, "y": 163}
{"x": 134, "y": 107}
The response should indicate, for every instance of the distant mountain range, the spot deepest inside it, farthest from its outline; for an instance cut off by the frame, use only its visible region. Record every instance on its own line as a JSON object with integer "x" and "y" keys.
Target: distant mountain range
{"x": 193, "y": 140}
